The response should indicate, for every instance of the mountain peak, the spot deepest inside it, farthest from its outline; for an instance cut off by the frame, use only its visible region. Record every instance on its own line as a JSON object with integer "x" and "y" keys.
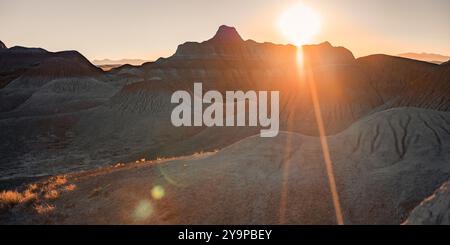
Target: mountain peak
{"x": 227, "y": 34}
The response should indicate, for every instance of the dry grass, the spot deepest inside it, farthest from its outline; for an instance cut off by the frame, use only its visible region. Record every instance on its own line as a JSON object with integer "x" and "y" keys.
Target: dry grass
{"x": 70, "y": 187}
{"x": 44, "y": 208}
{"x": 28, "y": 196}
{"x": 32, "y": 187}
{"x": 59, "y": 180}
{"x": 10, "y": 198}
{"x": 51, "y": 195}
{"x": 37, "y": 194}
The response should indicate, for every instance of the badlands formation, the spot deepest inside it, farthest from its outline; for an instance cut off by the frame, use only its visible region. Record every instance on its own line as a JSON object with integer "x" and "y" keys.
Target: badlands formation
{"x": 387, "y": 122}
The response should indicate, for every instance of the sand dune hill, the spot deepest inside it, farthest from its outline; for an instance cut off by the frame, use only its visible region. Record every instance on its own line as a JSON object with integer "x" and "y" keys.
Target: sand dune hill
{"x": 382, "y": 174}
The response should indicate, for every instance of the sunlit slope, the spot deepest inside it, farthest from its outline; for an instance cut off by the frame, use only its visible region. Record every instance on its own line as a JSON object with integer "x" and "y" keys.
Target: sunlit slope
{"x": 385, "y": 165}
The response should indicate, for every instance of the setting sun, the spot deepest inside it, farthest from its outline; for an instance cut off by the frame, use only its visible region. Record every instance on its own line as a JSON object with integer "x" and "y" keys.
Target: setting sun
{"x": 299, "y": 23}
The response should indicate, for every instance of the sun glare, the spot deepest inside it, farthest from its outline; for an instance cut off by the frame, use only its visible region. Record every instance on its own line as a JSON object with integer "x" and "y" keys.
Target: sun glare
{"x": 299, "y": 24}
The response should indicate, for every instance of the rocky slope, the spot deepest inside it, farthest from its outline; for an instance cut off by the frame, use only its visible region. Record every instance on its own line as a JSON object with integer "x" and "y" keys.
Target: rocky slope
{"x": 16, "y": 60}
{"x": 24, "y": 70}
{"x": 434, "y": 210}
{"x": 381, "y": 175}
{"x": 431, "y": 91}
{"x": 348, "y": 88}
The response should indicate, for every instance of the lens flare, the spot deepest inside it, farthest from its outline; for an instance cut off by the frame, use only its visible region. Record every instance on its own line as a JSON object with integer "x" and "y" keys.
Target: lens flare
{"x": 143, "y": 210}
{"x": 299, "y": 24}
{"x": 305, "y": 74}
{"x": 157, "y": 192}
{"x": 326, "y": 153}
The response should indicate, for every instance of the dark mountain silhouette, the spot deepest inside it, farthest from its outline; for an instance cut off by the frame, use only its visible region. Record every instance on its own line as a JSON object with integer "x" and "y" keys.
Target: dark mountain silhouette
{"x": 349, "y": 88}
{"x": 226, "y": 35}
{"x": 325, "y": 53}
{"x": 2, "y": 45}
{"x": 17, "y": 60}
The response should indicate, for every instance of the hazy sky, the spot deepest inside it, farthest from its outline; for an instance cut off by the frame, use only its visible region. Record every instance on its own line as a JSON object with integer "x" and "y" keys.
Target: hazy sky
{"x": 149, "y": 29}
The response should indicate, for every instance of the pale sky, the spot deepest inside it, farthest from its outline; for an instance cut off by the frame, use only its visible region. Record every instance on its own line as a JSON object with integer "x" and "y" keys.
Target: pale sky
{"x": 148, "y": 29}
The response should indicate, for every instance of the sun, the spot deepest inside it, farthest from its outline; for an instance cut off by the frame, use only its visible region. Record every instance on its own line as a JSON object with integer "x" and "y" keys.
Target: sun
{"x": 299, "y": 24}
